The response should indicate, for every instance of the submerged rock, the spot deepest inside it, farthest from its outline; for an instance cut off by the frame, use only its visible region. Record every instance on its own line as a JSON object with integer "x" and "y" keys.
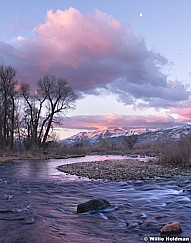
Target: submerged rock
{"x": 171, "y": 228}
{"x": 94, "y": 204}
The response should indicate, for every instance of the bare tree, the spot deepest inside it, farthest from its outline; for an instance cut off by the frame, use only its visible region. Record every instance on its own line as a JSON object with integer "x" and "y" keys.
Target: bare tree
{"x": 130, "y": 141}
{"x": 7, "y": 105}
{"x": 59, "y": 98}
{"x": 53, "y": 97}
{"x": 33, "y": 113}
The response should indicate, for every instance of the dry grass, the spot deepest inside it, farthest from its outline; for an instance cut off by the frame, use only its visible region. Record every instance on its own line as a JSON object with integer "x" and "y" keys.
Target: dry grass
{"x": 177, "y": 152}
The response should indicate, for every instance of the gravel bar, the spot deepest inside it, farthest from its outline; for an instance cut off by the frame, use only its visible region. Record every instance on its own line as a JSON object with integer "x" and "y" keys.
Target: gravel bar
{"x": 121, "y": 170}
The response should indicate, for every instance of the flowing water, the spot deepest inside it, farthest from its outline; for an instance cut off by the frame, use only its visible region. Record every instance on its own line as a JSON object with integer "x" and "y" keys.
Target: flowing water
{"x": 38, "y": 204}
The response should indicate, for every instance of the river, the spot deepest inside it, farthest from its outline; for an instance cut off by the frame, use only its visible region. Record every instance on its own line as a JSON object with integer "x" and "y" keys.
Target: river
{"x": 38, "y": 205}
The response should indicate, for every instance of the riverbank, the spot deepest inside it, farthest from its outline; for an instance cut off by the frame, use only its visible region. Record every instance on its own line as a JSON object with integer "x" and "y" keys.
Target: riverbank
{"x": 7, "y": 157}
{"x": 127, "y": 169}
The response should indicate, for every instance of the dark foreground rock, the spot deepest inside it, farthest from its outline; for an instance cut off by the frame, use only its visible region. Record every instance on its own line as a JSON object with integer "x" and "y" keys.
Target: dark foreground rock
{"x": 171, "y": 229}
{"x": 94, "y": 204}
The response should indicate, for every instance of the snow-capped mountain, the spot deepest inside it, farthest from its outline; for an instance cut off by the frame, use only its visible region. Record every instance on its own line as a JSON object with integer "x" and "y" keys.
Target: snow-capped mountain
{"x": 144, "y": 135}
{"x": 101, "y": 133}
{"x": 162, "y": 135}
{"x": 94, "y": 136}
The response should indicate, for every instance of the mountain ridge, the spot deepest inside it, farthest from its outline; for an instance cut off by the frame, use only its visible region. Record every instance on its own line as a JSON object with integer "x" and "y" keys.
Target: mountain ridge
{"x": 144, "y": 135}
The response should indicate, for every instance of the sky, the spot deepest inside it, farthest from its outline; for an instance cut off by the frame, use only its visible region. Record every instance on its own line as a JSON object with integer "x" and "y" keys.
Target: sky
{"x": 128, "y": 60}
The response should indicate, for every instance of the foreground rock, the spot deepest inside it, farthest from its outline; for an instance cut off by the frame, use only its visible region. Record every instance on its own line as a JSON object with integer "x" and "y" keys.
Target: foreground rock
{"x": 171, "y": 228}
{"x": 94, "y": 204}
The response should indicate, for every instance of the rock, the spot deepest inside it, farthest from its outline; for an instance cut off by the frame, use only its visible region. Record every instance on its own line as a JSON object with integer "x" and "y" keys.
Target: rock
{"x": 94, "y": 204}
{"x": 171, "y": 228}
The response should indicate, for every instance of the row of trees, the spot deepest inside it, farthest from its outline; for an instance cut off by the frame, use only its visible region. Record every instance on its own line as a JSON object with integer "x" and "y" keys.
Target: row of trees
{"x": 27, "y": 114}
{"x": 109, "y": 144}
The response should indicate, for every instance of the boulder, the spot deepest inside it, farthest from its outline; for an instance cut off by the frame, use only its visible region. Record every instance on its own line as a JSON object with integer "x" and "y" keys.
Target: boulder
{"x": 94, "y": 204}
{"x": 171, "y": 228}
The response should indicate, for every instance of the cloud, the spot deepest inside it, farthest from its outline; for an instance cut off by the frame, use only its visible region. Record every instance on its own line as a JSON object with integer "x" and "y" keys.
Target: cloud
{"x": 155, "y": 96}
{"x": 94, "y": 53}
{"x": 95, "y": 122}
{"x": 183, "y": 110}
{"x": 19, "y": 38}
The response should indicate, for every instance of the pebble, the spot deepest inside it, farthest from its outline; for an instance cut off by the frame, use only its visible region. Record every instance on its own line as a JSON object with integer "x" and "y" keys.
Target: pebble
{"x": 121, "y": 170}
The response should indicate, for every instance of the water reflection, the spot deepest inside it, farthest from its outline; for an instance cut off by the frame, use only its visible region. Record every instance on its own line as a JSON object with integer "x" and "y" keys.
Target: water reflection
{"x": 37, "y": 170}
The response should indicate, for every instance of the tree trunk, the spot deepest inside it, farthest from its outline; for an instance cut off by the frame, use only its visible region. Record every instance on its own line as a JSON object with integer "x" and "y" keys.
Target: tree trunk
{"x": 47, "y": 130}
{"x": 12, "y": 122}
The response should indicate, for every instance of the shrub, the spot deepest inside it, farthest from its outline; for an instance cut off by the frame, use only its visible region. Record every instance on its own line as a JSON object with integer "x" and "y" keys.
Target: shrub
{"x": 178, "y": 152}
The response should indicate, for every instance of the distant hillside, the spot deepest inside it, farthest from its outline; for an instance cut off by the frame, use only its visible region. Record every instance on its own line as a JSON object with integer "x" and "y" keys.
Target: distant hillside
{"x": 144, "y": 136}
{"x": 172, "y": 133}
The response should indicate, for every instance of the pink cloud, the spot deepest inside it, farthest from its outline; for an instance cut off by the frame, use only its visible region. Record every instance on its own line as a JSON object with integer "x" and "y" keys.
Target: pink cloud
{"x": 114, "y": 120}
{"x": 184, "y": 114}
{"x": 94, "y": 52}
{"x": 182, "y": 110}
{"x": 75, "y": 35}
